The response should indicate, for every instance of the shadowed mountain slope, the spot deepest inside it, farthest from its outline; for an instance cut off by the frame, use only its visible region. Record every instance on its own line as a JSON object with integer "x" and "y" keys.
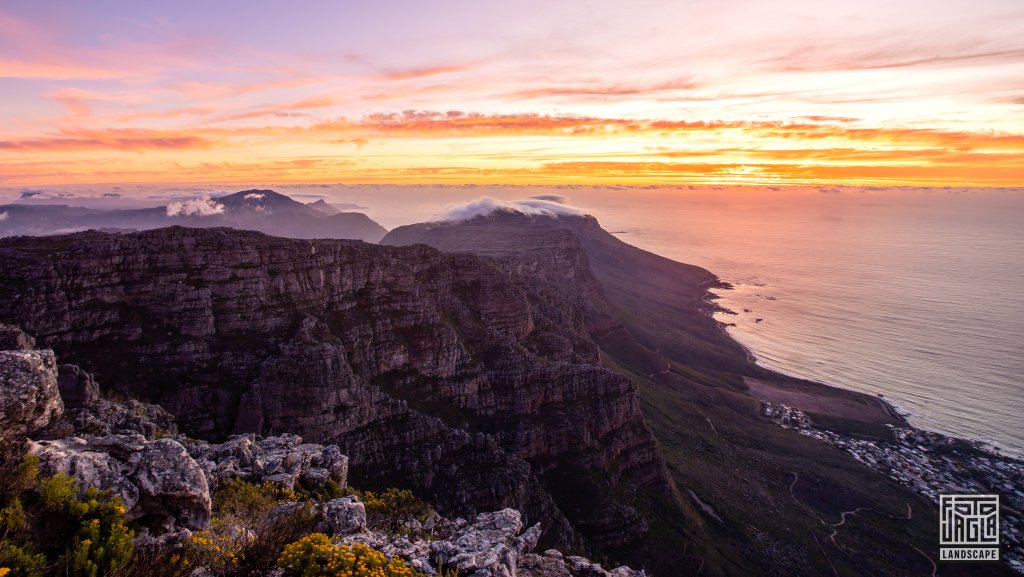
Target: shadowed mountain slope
{"x": 471, "y": 383}
{"x": 770, "y": 501}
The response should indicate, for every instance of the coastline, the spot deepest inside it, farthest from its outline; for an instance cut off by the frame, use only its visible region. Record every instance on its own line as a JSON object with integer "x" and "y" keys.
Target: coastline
{"x": 893, "y": 406}
{"x": 914, "y": 457}
{"x": 930, "y": 464}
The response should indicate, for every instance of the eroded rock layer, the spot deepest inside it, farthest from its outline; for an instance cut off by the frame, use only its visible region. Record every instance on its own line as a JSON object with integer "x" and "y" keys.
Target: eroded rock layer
{"x": 475, "y": 384}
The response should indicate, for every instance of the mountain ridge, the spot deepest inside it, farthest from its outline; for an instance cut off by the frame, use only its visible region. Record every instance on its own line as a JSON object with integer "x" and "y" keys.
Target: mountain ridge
{"x": 262, "y": 210}
{"x": 438, "y": 372}
{"x": 738, "y": 469}
{"x": 532, "y": 373}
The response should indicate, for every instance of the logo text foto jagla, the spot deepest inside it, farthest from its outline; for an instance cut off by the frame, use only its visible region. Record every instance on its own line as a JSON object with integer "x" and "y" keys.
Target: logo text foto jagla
{"x": 968, "y": 527}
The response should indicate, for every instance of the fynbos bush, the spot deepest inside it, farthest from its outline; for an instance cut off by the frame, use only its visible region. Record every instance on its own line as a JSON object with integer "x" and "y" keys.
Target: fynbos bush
{"x": 315, "y": 556}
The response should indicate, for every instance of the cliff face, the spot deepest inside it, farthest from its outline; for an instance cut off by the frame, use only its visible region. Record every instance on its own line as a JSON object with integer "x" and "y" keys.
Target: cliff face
{"x": 473, "y": 382}
{"x": 751, "y": 496}
{"x": 647, "y": 309}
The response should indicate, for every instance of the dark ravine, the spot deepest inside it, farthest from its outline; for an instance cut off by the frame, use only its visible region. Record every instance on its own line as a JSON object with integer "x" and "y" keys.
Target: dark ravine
{"x": 477, "y": 387}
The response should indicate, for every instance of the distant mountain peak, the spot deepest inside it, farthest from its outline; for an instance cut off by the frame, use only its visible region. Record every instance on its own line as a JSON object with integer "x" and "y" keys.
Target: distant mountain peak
{"x": 323, "y": 207}
{"x": 264, "y": 210}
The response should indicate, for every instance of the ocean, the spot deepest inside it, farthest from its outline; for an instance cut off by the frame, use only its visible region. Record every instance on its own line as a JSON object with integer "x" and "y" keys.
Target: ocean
{"x": 913, "y": 294}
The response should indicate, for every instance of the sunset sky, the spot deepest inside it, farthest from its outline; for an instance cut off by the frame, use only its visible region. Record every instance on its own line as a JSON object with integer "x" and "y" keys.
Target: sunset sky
{"x": 706, "y": 91}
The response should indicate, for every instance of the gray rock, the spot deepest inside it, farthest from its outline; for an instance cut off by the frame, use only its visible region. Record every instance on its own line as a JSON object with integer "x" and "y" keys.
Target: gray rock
{"x": 161, "y": 486}
{"x": 77, "y": 387}
{"x": 345, "y": 515}
{"x": 29, "y": 397}
{"x": 625, "y": 572}
{"x": 102, "y": 417}
{"x": 171, "y": 485}
{"x": 532, "y": 565}
{"x": 580, "y": 567}
{"x": 283, "y": 459}
{"x": 13, "y": 338}
{"x": 491, "y": 546}
{"x": 91, "y": 466}
{"x": 284, "y": 511}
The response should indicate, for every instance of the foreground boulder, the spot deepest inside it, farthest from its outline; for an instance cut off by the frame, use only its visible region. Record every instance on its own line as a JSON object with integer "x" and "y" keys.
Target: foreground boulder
{"x": 344, "y": 515}
{"x": 491, "y": 546}
{"x": 161, "y": 486}
{"x": 29, "y": 396}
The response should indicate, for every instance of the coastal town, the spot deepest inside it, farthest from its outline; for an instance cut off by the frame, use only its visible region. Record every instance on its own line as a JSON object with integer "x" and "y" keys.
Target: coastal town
{"x": 931, "y": 464}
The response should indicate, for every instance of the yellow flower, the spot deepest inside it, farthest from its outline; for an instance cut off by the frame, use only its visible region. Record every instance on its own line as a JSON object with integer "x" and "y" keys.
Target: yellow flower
{"x": 4, "y": 571}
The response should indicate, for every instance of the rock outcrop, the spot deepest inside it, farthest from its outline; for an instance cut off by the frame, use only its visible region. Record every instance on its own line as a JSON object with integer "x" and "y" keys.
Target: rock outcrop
{"x": 162, "y": 487}
{"x": 29, "y": 396}
{"x": 284, "y": 459}
{"x": 77, "y": 387}
{"x": 88, "y": 414}
{"x": 13, "y": 338}
{"x": 475, "y": 384}
{"x": 493, "y": 545}
{"x": 166, "y": 488}
{"x": 344, "y": 515}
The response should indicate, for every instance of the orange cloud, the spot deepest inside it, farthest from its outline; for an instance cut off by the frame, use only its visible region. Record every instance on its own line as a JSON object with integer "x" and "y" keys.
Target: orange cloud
{"x": 559, "y": 148}
{"x": 417, "y": 73}
{"x": 78, "y": 101}
{"x": 287, "y": 109}
{"x": 605, "y": 90}
{"x": 133, "y": 140}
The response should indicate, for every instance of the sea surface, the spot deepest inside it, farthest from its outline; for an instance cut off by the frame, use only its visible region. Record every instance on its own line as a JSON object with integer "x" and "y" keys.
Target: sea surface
{"x": 917, "y": 295}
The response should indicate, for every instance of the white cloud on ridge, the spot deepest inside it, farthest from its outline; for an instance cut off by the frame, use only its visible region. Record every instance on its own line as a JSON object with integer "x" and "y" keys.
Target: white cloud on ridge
{"x": 485, "y": 205}
{"x": 203, "y": 206}
{"x": 4, "y": 216}
{"x": 552, "y": 197}
{"x": 254, "y": 196}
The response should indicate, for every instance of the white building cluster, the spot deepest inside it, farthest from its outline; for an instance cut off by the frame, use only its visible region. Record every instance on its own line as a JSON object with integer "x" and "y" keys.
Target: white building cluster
{"x": 932, "y": 464}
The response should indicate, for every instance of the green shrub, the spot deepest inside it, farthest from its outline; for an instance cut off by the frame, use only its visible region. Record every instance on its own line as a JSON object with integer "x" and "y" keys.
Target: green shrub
{"x": 56, "y": 493}
{"x": 315, "y": 556}
{"x": 20, "y": 562}
{"x": 323, "y": 493}
{"x": 392, "y": 509}
{"x": 24, "y": 477}
{"x": 48, "y": 527}
{"x": 103, "y": 543}
{"x": 247, "y": 533}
